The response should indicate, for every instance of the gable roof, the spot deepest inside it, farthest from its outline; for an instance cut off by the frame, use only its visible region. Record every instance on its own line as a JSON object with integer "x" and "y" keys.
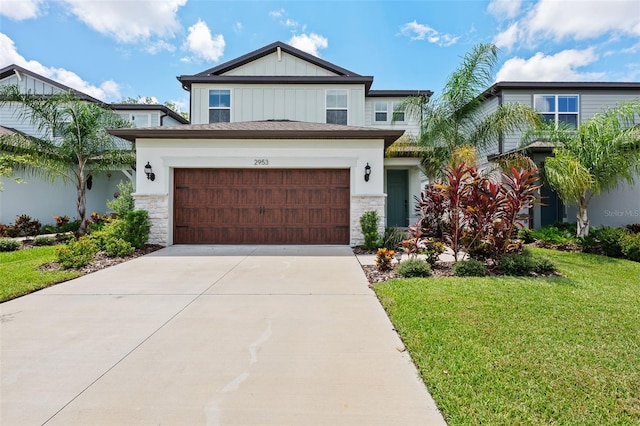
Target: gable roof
{"x": 559, "y": 85}
{"x": 151, "y": 107}
{"x": 269, "y": 129}
{"x": 14, "y": 69}
{"x": 215, "y": 74}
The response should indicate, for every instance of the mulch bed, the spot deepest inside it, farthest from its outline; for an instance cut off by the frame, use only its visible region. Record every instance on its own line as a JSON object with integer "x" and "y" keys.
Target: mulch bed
{"x": 101, "y": 261}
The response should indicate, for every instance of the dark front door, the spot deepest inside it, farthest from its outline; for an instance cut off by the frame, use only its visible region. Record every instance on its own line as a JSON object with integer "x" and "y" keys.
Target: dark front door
{"x": 551, "y": 210}
{"x": 397, "y": 198}
{"x": 266, "y": 206}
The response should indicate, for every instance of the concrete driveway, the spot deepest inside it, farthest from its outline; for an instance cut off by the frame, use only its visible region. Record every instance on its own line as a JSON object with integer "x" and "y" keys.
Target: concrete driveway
{"x": 267, "y": 335}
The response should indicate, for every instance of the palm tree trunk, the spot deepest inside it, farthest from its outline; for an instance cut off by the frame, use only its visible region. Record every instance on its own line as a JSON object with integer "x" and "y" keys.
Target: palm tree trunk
{"x": 81, "y": 204}
{"x": 582, "y": 218}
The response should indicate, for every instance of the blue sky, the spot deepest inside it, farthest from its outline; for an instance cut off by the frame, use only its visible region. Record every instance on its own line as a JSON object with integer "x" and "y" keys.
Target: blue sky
{"x": 114, "y": 49}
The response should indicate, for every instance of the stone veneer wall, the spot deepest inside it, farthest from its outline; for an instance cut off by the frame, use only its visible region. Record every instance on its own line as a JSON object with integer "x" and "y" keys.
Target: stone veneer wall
{"x": 361, "y": 204}
{"x": 158, "y": 207}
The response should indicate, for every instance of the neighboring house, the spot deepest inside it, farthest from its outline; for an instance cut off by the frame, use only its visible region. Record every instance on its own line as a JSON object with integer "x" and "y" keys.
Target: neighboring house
{"x": 42, "y": 199}
{"x": 284, "y": 147}
{"x": 571, "y": 103}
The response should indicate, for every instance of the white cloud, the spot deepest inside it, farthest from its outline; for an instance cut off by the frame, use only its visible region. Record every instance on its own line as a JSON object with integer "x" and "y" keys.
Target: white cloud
{"x": 202, "y": 44}
{"x": 129, "y": 21}
{"x": 106, "y": 91}
{"x": 309, "y": 43}
{"x": 19, "y": 10}
{"x": 416, "y": 31}
{"x": 508, "y": 37}
{"x": 277, "y": 13}
{"x": 159, "y": 46}
{"x": 582, "y": 20}
{"x": 237, "y": 27}
{"x": 562, "y": 66}
{"x": 504, "y": 8}
{"x": 290, "y": 23}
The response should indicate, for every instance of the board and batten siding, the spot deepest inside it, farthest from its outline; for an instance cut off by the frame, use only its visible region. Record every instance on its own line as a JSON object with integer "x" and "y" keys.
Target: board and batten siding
{"x": 289, "y": 65}
{"x": 29, "y": 84}
{"x": 411, "y": 125}
{"x": 251, "y": 102}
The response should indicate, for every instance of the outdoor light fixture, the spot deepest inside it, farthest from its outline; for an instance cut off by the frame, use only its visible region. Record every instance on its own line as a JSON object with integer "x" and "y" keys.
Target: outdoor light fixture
{"x": 367, "y": 172}
{"x": 149, "y": 172}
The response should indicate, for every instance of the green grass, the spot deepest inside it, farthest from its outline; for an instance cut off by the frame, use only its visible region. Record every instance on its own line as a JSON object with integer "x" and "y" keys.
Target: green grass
{"x": 505, "y": 351}
{"x": 19, "y": 272}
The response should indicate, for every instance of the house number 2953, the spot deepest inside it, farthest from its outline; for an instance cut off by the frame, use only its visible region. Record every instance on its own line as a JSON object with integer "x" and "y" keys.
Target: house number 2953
{"x": 261, "y": 162}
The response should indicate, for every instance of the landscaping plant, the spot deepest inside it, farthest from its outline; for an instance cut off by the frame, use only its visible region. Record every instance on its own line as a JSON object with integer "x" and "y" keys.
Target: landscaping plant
{"x": 9, "y": 244}
{"x": 413, "y": 267}
{"x": 384, "y": 259}
{"x": 470, "y": 268}
{"x": 124, "y": 202}
{"x": 369, "y": 226}
{"x": 76, "y": 253}
{"x": 630, "y": 246}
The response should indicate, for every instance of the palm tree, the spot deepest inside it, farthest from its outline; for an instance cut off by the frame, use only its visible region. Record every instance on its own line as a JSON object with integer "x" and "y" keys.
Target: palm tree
{"x": 603, "y": 152}
{"x": 72, "y": 141}
{"x": 457, "y": 117}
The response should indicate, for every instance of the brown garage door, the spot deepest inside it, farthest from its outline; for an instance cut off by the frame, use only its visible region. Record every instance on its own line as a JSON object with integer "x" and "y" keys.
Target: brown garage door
{"x": 267, "y": 206}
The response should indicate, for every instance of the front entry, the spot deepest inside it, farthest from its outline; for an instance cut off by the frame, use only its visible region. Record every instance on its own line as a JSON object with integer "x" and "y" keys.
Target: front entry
{"x": 397, "y": 198}
{"x": 551, "y": 210}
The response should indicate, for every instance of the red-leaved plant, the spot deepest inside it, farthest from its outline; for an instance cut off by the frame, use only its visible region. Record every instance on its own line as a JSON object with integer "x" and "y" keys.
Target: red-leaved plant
{"x": 481, "y": 216}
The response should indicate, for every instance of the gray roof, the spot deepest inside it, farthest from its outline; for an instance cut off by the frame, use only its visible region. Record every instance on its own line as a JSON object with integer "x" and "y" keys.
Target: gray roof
{"x": 215, "y": 74}
{"x": 556, "y": 85}
{"x": 398, "y": 93}
{"x": 150, "y": 107}
{"x": 270, "y": 129}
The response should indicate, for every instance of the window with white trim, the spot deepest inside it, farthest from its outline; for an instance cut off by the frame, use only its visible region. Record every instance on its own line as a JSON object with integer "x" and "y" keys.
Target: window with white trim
{"x": 398, "y": 111}
{"x": 558, "y": 108}
{"x": 219, "y": 106}
{"x": 137, "y": 120}
{"x": 380, "y": 112}
{"x": 337, "y": 107}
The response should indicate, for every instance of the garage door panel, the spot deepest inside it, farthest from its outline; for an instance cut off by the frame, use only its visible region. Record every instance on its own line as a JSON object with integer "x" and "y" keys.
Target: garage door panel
{"x": 267, "y": 206}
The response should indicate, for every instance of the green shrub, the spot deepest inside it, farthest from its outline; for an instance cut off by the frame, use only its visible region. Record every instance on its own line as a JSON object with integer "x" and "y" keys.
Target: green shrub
{"x": 8, "y": 244}
{"x": 630, "y": 245}
{"x": 526, "y": 235}
{"x": 117, "y": 247}
{"x": 555, "y": 234}
{"x": 432, "y": 249}
{"x": 134, "y": 228}
{"x": 369, "y": 225}
{"x": 63, "y": 238}
{"x": 470, "y": 268}
{"x": 634, "y": 228}
{"x": 43, "y": 240}
{"x": 124, "y": 202}
{"x": 609, "y": 239}
{"x": 543, "y": 266}
{"x": 414, "y": 267}
{"x": 392, "y": 238}
{"x": 71, "y": 226}
{"x": 76, "y": 253}
{"x": 517, "y": 264}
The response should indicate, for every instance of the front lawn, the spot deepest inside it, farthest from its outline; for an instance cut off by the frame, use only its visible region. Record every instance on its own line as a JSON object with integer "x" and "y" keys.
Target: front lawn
{"x": 19, "y": 273}
{"x": 562, "y": 350}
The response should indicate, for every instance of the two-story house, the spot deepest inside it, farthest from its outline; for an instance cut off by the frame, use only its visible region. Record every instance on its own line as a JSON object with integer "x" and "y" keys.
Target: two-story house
{"x": 571, "y": 103}
{"x": 40, "y": 198}
{"x": 283, "y": 147}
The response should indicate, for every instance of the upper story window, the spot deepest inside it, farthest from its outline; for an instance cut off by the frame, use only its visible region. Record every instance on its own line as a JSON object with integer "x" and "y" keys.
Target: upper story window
{"x": 381, "y": 111}
{"x": 398, "y": 111}
{"x": 558, "y": 108}
{"x": 219, "y": 106}
{"x": 137, "y": 120}
{"x": 337, "y": 107}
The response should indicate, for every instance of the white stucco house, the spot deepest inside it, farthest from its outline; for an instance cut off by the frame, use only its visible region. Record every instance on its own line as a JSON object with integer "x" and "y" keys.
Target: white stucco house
{"x": 42, "y": 199}
{"x": 572, "y": 103}
{"x": 283, "y": 148}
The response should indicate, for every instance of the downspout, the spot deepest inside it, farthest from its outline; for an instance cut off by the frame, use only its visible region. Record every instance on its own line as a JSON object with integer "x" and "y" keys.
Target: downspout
{"x": 162, "y": 116}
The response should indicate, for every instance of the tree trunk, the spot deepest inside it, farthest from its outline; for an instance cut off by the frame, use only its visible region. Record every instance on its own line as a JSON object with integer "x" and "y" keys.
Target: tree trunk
{"x": 582, "y": 218}
{"x": 81, "y": 205}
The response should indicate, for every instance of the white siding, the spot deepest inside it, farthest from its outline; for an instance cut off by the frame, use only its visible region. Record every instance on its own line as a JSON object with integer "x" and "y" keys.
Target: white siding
{"x": 289, "y": 65}
{"x": 30, "y": 84}
{"x": 254, "y": 102}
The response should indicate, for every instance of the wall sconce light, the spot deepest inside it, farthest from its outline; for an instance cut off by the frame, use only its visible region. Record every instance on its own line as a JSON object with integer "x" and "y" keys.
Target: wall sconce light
{"x": 149, "y": 172}
{"x": 367, "y": 172}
